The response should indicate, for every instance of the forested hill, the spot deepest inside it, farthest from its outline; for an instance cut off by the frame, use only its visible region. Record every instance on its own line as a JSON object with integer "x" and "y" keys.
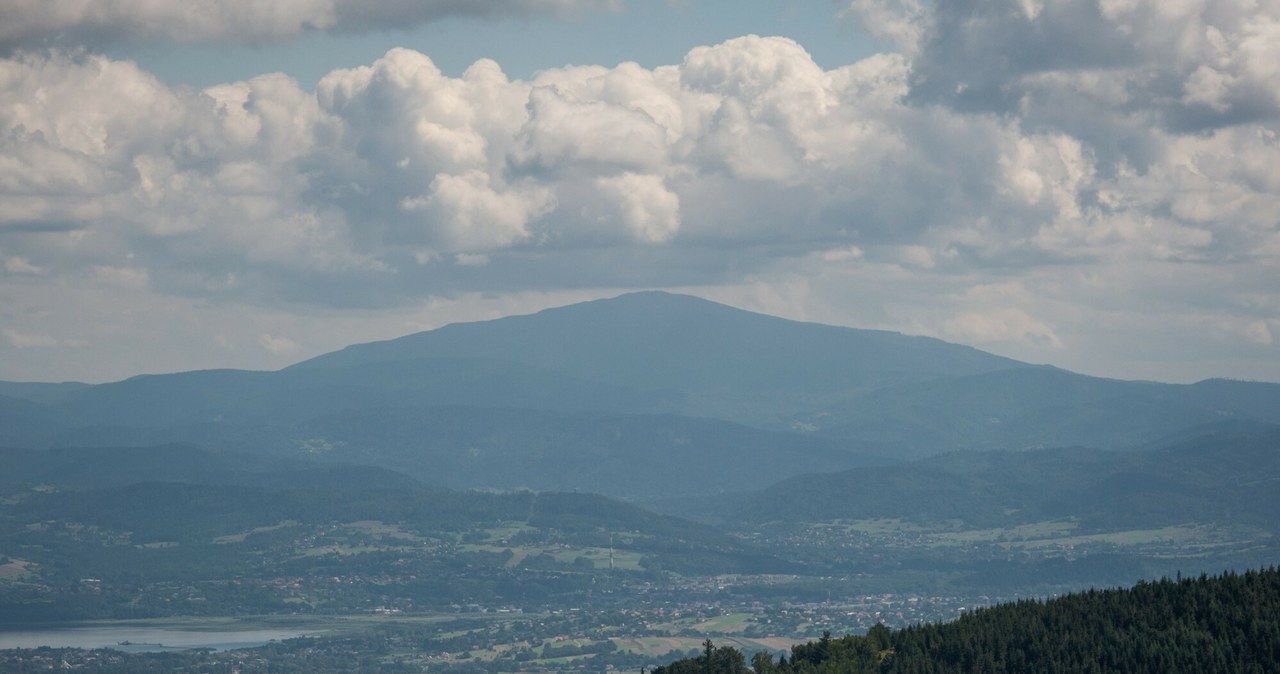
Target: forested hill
{"x": 1227, "y": 473}
{"x": 1228, "y": 624}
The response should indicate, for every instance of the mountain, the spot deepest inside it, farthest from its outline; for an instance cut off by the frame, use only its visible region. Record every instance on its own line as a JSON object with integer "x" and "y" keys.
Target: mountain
{"x": 680, "y": 342}
{"x": 705, "y": 359}
{"x": 645, "y": 352}
{"x": 644, "y": 396}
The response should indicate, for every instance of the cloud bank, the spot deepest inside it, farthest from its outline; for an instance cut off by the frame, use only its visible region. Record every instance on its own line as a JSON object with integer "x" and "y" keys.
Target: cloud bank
{"x": 1033, "y": 177}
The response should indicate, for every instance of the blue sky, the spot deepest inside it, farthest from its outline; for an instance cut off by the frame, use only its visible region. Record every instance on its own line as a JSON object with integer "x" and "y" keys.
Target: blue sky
{"x": 649, "y": 33}
{"x": 1085, "y": 183}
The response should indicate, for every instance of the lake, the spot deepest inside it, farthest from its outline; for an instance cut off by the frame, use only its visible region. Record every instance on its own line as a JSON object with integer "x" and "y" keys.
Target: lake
{"x": 141, "y": 639}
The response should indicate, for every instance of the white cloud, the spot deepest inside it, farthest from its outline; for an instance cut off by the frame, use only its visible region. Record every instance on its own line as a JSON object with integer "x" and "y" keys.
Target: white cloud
{"x": 901, "y": 22}
{"x": 471, "y": 215}
{"x": 562, "y": 133}
{"x": 27, "y": 341}
{"x": 744, "y": 142}
{"x": 1047, "y": 171}
{"x": 649, "y": 210}
{"x": 1001, "y": 325}
{"x": 278, "y": 345}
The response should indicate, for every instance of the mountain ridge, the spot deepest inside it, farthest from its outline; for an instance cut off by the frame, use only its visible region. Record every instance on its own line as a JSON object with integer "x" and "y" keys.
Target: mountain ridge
{"x": 649, "y": 364}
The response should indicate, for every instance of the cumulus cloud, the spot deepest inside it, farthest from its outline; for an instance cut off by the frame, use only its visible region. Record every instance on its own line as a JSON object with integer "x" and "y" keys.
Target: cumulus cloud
{"x": 471, "y": 215}
{"x": 257, "y": 184}
{"x": 564, "y": 133}
{"x": 650, "y": 211}
{"x": 78, "y": 22}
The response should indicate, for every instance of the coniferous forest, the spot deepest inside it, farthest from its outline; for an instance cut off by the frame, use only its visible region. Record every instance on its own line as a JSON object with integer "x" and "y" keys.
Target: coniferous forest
{"x": 1229, "y": 623}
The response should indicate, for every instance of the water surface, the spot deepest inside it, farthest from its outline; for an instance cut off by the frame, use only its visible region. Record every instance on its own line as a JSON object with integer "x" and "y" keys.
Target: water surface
{"x": 141, "y": 639}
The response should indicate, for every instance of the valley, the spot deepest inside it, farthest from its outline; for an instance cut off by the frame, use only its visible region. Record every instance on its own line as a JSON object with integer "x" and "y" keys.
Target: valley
{"x": 604, "y": 487}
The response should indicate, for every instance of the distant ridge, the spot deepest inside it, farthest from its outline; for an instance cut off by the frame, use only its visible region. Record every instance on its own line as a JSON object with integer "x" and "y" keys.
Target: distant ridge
{"x": 640, "y": 396}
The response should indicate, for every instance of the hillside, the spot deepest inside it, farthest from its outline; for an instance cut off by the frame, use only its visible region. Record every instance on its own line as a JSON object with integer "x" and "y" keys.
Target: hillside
{"x": 635, "y": 456}
{"x": 1039, "y": 407}
{"x": 285, "y": 537}
{"x": 629, "y": 456}
{"x": 1220, "y": 474}
{"x": 1228, "y": 624}
{"x": 101, "y": 467}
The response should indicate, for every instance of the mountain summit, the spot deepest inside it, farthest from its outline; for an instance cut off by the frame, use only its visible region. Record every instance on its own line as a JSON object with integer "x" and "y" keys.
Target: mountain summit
{"x": 703, "y": 350}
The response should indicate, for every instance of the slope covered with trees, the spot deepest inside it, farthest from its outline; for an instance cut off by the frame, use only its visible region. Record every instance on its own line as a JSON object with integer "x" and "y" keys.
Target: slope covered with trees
{"x": 1229, "y": 623}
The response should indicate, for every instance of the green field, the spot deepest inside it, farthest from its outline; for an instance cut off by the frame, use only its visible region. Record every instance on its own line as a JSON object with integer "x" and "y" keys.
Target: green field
{"x": 1042, "y": 536}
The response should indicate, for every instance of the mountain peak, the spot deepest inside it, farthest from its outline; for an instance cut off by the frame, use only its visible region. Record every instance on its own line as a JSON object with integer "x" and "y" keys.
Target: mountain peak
{"x": 691, "y": 347}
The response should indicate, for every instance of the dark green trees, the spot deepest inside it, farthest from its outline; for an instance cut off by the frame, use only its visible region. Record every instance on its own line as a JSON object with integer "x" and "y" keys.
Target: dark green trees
{"x": 722, "y": 660}
{"x": 1226, "y": 624}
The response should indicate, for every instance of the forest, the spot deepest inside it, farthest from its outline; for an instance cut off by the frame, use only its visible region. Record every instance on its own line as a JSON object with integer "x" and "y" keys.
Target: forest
{"x": 1228, "y": 623}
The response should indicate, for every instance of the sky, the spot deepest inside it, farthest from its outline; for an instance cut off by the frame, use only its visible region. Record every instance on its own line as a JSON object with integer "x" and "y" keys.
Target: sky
{"x": 1093, "y": 184}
